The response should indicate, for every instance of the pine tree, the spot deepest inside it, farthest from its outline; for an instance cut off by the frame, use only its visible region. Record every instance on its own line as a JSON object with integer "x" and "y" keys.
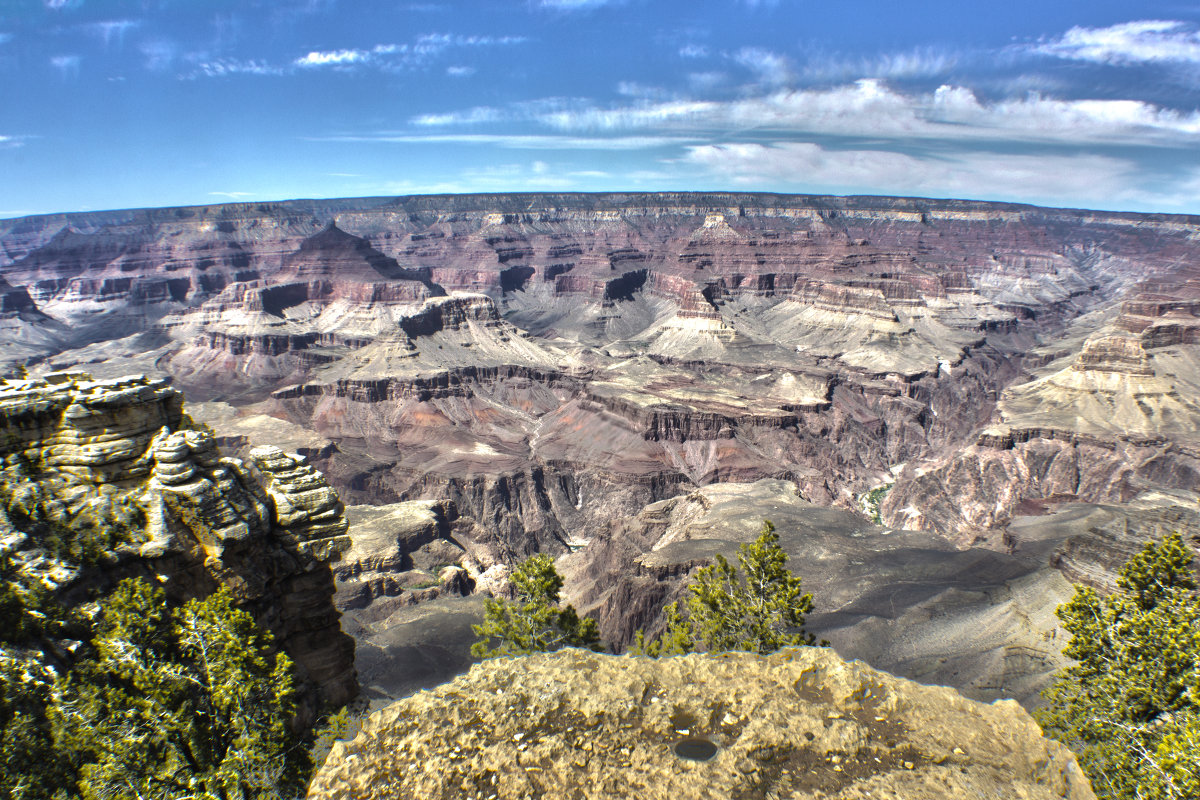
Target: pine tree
{"x": 759, "y": 608}
{"x": 184, "y": 703}
{"x": 1130, "y": 706}
{"x": 534, "y": 622}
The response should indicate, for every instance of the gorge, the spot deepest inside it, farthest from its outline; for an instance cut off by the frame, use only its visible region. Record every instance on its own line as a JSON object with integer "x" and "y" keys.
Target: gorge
{"x": 949, "y": 409}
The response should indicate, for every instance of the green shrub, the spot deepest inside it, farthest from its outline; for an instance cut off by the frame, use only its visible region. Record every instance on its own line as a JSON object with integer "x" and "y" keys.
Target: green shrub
{"x": 534, "y": 622}
{"x": 759, "y": 608}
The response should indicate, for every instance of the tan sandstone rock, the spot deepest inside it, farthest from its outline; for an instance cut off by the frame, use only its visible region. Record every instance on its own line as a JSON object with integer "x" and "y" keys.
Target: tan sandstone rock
{"x": 801, "y": 723}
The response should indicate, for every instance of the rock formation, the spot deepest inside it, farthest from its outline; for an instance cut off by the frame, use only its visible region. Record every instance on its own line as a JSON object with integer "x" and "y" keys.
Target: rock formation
{"x": 119, "y": 458}
{"x": 801, "y": 723}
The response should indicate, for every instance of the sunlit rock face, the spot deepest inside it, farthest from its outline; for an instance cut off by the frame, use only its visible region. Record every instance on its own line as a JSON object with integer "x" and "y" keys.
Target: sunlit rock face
{"x": 120, "y": 453}
{"x": 801, "y": 723}
{"x": 554, "y": 366}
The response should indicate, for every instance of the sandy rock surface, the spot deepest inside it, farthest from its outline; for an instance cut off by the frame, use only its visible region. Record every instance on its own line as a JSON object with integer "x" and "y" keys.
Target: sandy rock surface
{"x": 801, "y": 723}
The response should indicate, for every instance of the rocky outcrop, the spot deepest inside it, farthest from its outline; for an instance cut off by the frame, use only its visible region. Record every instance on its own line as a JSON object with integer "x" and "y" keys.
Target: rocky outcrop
{"x": 14, "y": 299}
{"x": 116, "y": 465}
{"x": 800, "y": 723}
{"x": 402, "y": 554}
{"x": 1120, "y": 354}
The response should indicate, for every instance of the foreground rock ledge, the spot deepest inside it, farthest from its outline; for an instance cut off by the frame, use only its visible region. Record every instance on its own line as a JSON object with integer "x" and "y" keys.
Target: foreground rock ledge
{"x": 797, "y": 724}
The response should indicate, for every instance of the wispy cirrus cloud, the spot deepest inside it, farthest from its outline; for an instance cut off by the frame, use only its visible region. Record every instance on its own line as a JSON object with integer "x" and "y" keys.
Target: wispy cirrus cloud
{"x": 923, "y": 62}
{"x": 234, "y": 195}
{"x": 471, "y": 116}
{"x": 400, "y": 55}
{"x": 67, "y": 65}
{"x": 1138, "y": 42}
{"x": 5, "y": 38}
{"x": 771, "y": 68}
{"x": 871, "y": 108}
{"x": 223, "y": 67}
{"x": 957, "y": 174}
{"x": 516, "y": 141}
{"x": 576, "y": 5}
{"x": 160, "y": 53}
{"x": 421, "y": 52}
{"x": 111, "y": 30}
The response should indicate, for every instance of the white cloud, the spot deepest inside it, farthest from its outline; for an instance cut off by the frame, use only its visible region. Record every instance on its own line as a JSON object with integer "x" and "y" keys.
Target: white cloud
{"x": 870, "y": 108}
{"x": 460, "y": 71}
{"x": 693, "y": 51}
{"x": 62, "y": 5}
{"x": 326, "y": 58}
{"x": 233, "y": 195}
{"x": 517, "y": 141}
{"x": 964, "y": 174}
{"x": 771, "y": 68}
{"x": 5, "y": 38}
{"x": 418, "y": 53}
{"x": 1136, "y": 42}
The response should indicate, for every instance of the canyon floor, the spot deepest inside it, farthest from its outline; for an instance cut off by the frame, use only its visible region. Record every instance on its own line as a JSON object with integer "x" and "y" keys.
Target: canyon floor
{"x": 950, "y": 410}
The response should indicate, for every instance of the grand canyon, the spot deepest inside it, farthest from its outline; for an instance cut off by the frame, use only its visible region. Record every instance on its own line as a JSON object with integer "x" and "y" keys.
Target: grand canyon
{"x": 950, "y": 410}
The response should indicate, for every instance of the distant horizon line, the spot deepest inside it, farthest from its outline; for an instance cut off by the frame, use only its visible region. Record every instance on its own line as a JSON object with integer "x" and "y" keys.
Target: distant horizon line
{"x": 944, "y": 201}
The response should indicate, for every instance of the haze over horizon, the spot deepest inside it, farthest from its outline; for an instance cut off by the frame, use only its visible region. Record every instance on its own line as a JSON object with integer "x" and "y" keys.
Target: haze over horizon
{"x": 137, "y": 103}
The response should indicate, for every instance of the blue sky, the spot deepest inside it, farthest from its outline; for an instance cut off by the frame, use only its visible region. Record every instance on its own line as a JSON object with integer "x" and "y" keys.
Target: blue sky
{"x": 129, "y": 103}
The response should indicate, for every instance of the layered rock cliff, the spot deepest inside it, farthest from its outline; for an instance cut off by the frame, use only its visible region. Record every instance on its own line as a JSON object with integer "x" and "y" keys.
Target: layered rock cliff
{"x": 107, "y": 479}
{"x": 801, "y": 723}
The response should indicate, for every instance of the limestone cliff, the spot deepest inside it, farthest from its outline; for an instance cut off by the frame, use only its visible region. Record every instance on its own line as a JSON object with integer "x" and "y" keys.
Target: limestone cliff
{"x": 801, "y": 723}
{"x": 104, "y": 480}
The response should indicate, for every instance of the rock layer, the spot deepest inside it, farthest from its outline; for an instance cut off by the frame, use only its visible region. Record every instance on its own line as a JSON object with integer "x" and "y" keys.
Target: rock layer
{"x": 801, "y": 723}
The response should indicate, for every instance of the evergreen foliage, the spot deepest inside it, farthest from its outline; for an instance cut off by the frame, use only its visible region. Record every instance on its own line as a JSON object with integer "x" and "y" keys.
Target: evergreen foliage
{"x": 1130, "y": 707}
{"x": 759, "y": 608}
{"x": 534, "y": 622}
{"x": 184, "y": 703}
{"x": 31, "y": 767}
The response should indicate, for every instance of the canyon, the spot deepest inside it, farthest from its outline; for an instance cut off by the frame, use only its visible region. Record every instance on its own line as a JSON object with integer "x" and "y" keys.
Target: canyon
{"x": 951, "y": 410}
